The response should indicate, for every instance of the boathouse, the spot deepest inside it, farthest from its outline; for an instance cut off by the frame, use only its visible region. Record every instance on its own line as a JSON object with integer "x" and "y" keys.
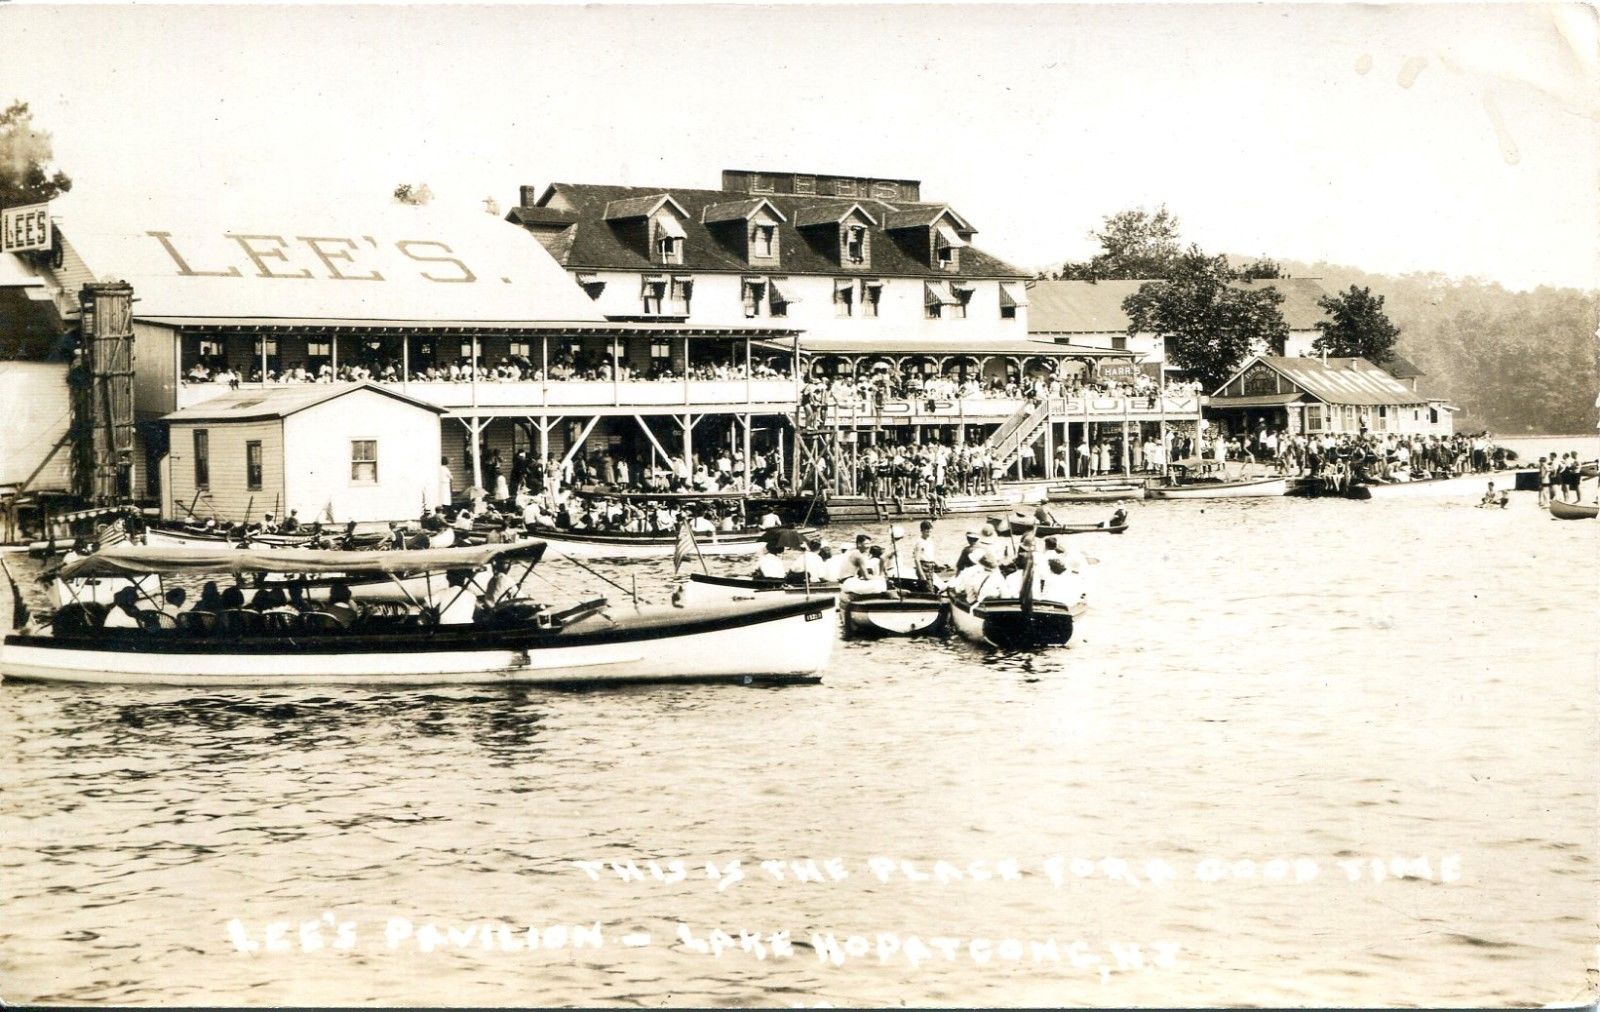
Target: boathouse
{"x": 1334, "y": 395}
{"x": 333, "y": 452}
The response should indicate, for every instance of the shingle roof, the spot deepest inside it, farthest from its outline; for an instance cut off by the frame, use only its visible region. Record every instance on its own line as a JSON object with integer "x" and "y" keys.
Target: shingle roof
{"x": 1095, "y": 307}
{"x": 641, "y": 206}
{"x": 738, "y": 210}
{"x": 923, "y": 215}
{"x": 280, "y": 402}
{"x": 829, "y": 212}
{"x": 541, "y": 216}
{"x": 1339, "y": 380}
{"x": 593, "y": 243}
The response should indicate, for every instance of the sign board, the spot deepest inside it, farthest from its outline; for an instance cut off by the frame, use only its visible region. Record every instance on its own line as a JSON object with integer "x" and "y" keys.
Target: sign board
{"x": 25, "y": 228}
{"x": 1119, "y": 370}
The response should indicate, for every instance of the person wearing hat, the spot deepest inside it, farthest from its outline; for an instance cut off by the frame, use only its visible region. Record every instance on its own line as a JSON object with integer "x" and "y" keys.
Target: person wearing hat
{"x": 984, "y": 581}
{"x": 970, "y": 554}
{"x": 1059, "y": 584}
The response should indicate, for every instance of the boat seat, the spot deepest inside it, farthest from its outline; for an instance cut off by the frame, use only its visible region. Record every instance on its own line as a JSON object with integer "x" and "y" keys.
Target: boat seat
{"x": 198, "y": 623}
{"x": 280, "y": 623}
{"x": 321, "y": 622}
{"x": 239, "y": 622}
{"x": 79, "y": 618}
{"x": 157, "y": 622}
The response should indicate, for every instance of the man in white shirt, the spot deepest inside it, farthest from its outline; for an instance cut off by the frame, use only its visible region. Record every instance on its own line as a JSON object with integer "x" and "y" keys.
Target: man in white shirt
{"x": 770, "y": 519}
{"x": 458, "y": 602}
{"x": 812, "y": 563}
{"x": 922, "y": 554}
{"x": 771, "y": 565}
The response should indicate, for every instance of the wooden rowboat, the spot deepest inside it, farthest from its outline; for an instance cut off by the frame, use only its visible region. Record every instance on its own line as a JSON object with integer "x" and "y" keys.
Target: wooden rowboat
{"x": 1572, "y": 510}
{"x": 1248, "y": 488}
{"x": 895, "y": 612}
{"x": 1009, "y": 624}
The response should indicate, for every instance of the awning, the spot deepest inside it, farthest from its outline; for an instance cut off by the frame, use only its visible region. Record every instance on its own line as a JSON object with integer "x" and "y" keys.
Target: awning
{"x": 843, "y": 285}
{"x": 14, "y": 273}
{"x": 963, "y": 287}
{"x": 1013, "y": 293}
{"x": 780, "y": 292}
{"x": 1255, "y": 401}
{"x": 668, "y": 226}
{"x": 586, "y": 279}
{"x": 133, "y": 560}
{"x": 947, "y": 237}
{"x": 938, "y": 293}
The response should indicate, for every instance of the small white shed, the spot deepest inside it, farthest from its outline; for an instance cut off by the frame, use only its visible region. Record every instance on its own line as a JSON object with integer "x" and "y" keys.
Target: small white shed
{"x": 343, "y": 451}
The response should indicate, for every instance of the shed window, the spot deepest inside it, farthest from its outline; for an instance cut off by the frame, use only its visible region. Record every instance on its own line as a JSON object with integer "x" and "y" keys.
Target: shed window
{"x": 364, "y": 461}
{"x": 252, "y": 465}
{"x": 871, "y": 295}
{"x": 202, "y": 459}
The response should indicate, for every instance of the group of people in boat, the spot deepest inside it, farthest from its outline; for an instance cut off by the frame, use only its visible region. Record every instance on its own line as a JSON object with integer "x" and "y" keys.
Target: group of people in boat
{"x": 469, "y": 596}
{"x": 995, "y": 563}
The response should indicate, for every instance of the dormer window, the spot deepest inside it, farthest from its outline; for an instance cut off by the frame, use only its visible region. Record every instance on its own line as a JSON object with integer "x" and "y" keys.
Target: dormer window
{"x": 669, "y": 240}
{"x": 763, "y": 241}
{"x": 855, "y": 244}
{"x": 947, "y": 247}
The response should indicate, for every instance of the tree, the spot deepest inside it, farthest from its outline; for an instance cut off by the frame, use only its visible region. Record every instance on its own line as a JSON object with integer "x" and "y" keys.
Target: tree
{"x": 1356, "y": 327}
{"x": 1134, "y": 245}
{"x": 416, "y": 195}
{"x": 1208, "y": 324}
{"x": 25, "y": 154}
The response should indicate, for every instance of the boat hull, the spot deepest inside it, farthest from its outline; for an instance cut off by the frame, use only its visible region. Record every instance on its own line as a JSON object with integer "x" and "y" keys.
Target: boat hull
{"x": 888, "y": 615}
{"x": 648, "y": 546}
{"x": 786, "y": 642}
{"x": 1003, "y": 623}
{"x": 700, "y": 591}
{"x": 1573, "y": 511}
{"x": 1455, "y": 486}
{"x": 162, "y": 538}
{"x": 1223, "y": 490}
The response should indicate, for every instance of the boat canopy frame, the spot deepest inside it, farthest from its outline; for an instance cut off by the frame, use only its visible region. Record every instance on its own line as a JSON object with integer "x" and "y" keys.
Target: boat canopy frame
{"x": 140, "y": 560}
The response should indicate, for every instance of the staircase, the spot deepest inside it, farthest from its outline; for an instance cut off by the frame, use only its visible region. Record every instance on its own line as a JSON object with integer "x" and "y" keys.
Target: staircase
{"x": 1021, "y": 429}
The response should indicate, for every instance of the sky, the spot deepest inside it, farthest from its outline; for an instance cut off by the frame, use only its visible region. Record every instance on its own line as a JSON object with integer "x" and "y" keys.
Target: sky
{"x": 1456, "y": 138}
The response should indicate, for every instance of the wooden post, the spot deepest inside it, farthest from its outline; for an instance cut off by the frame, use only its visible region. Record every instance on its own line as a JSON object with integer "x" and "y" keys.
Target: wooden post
{"x": 747, "y": 446}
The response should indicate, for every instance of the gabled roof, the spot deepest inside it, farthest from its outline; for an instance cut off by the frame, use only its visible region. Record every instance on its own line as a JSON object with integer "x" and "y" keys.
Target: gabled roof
{"x": 924, "y": 217}
{"x": 1401, "y": 367}
{"x": 281, "y": 401}
{"x": 641, "y": 207}
{"x": 739, "y": 210}
{"x": 827, "y": 212}
{"x": 541, "y": 216}
{"x": 1336, "y": 381}
{"x": 1095, "y": 307}
{"x": 594, "y": 243}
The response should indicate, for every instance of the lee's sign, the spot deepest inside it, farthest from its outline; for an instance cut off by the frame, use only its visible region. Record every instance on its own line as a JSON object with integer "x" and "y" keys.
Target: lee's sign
{"x": 25, "y": 228}
{"x": 332, "y": 258}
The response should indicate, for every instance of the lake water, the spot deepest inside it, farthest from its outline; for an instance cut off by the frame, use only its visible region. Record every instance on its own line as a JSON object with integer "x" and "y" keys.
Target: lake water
{"x": 1307, "y": 686}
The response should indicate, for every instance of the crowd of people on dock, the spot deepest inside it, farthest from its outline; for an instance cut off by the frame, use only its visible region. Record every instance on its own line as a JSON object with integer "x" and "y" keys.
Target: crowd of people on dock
{"x": 1367, "y": 456}
{"x": 1559, "y": 477}
{"x": 823, "y": 395}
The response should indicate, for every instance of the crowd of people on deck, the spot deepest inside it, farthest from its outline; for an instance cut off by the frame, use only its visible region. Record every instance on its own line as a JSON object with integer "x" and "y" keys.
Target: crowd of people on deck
{"x": 506, "y": 369}
{"x": 822, "y": 394}
{"x": 610, "y": 471}
{"x": 1367, "y": 456}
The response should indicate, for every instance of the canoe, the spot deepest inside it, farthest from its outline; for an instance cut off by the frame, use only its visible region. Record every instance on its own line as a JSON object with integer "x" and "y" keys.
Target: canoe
{"x": 629, "y": 545}
{"x": 187, "y": 537}
{"x": 1573, "y": 510}
{"x": 1005, "y": 623}
{"x": 894, "y": 613}
{"x": 700, "y": 590}
{"x": 1050, "y": 530}
{"x": 1097, "y": 493}
{"x": 521, "y": 641}
{"x": 1457, "y": 485}
{"x": 1222, "y": 489}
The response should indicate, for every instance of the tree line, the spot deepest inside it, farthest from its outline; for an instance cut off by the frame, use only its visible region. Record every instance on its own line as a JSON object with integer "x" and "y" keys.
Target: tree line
{"x": 1512, "y": 361}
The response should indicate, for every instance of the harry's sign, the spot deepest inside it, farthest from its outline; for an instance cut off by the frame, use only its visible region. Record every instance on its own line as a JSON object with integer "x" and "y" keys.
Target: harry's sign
{"x": 25, "y": 228}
